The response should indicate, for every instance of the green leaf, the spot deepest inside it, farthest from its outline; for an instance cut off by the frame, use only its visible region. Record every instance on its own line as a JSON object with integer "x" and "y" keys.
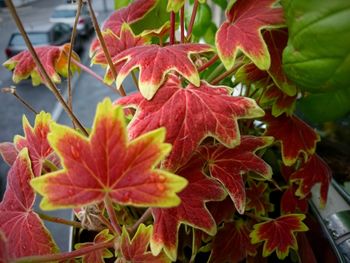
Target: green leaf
{"x": 325, "y": 106}
{"x": 156, "y": 18}
{"x": 317, "y": 56}
{"x": 121, "y": 3}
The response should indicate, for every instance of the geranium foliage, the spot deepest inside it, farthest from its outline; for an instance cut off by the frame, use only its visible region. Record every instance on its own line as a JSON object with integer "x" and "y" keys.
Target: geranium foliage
{"x": 192, "y": 210}
{"x": 278, "y": 234}
{"x": 26, "y": 235}
{"x": 228, "y": 165}
{"x": 196, "y": 113}
{"x": 97, "y": 256}
{"x": 205, "y": 158}
{"x": 137, "y": 248}
{"x": 108, "y": 176}
{"x": 155, "y": 62}
{"x": 232, "y": 243}
{"x": 242, "y": 31}
{"x": 116, "y": 44}
{"x": 315, "y": 170}
{"x": 295, "y": 136}
{"x": 53, "y": 58}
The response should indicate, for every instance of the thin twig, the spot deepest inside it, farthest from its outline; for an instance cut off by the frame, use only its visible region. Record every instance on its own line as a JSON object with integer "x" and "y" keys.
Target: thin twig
{"x": 112, "y": 216}
{"x": 104, "y": 46}
{"x": 142, "y": 219}
{"x": 208, "y": 64}
{"x": 72, "y": 40}
{"x": 92, "y": 73}
{"x": 12, "y": 90}
{"x": 225, "y": 74}
{"x": 62, "y": 257}
{"x": 60, "y": 220}
{"x": 41, "y": 68}
{"x": 182, "y": 23}
{"x": 172, "y": 28}
{"x": 193, "y": 18}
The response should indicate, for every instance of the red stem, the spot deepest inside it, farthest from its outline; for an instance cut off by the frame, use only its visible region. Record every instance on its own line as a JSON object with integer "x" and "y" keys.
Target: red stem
{"x": 172, "y": 28}
{"x": 92, "y": 73}
{"x": 182, "y": 23}
{"x": 193, "y": 17}
{"x": 112, "y": 216}
{"x": 142, "y": 219}
{"x": 66, "y": 255}
{"x": 208, "y": 64}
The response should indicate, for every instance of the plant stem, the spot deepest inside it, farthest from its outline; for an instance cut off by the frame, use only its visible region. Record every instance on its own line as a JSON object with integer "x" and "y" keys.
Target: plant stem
{"x": 92, "y": 73}
{"x": 72, "y": 39}
{"x": 112, "y": 216}
{"x": 172, "y": 28}
{"x": 193, "y": 17}
{"x": 135, "y": 80}
{"x": 12, "y": 90}
{"x": 142, "y": 219}
{"x": 42, "y": 70}
{"x": 215, "y": 72}
{"x": 182, "y": 23}
{"x": 225, "y": 74}
{"x": 258, "y": 218}
{"x": 60, "y": 220}
{"x": 208, "y": 64}
{"x": 65, "y": 255}
{"x": 104, "y": 46}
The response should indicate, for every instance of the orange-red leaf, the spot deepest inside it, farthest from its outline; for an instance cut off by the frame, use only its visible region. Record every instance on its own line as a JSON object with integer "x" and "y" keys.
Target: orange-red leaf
{"x": 136, "y": 250}
{"x": 108, "y": 165}
{"x": 26, "y": 235}
{"x": 35, "y": 140}
{"x": 242, "y": 31}
{"x": 294, "y": 135}
{"x": 315, "y": 170}
{"x": 278, "y": 234}
{"x": 116, "y": 44}
{"x": 192, "y": 210}
{"x": 258, "y": 198}
{"x": 155, "y": 62}
{"x": 232, "y": 243}
{"x": 53, "y": 58}
{"x": 8, "y": 152}
{"x": 290, "y": 203}
{"x": 190, "y": 115}
{"x": 228, "y": 165}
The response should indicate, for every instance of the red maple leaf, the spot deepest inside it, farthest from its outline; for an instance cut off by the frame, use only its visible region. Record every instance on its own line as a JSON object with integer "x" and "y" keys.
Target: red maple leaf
{"x": 35, "y": 140}
{"x": 232, "y": 243}
{"x": 53, "y": 58}
{"x": 26, "y": 235}
{"x": 97, "y": 256}
{"x": 115, "y": 44}
{"x": 155, "y": 62}
{"x": 136, "y": 250}
{"x": 294, "y": 135}
{"x": 228, "y": 165}
{"x": 315, "y": 170}
{"x": 276, "y": 41}
{"x": 290, "y": 203}
{"x": 124, "y": 171}
{"x": 8, "y": 152}
{"x": 278, "y": 234}
{"x": 129, "y": 14}
{"x": 195, "y": 114}
{"x": 258, "y": 198}
{"x": 241, "y": 31}
{"x": 191, "y": 211}
{"x": 281, "y": 102}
